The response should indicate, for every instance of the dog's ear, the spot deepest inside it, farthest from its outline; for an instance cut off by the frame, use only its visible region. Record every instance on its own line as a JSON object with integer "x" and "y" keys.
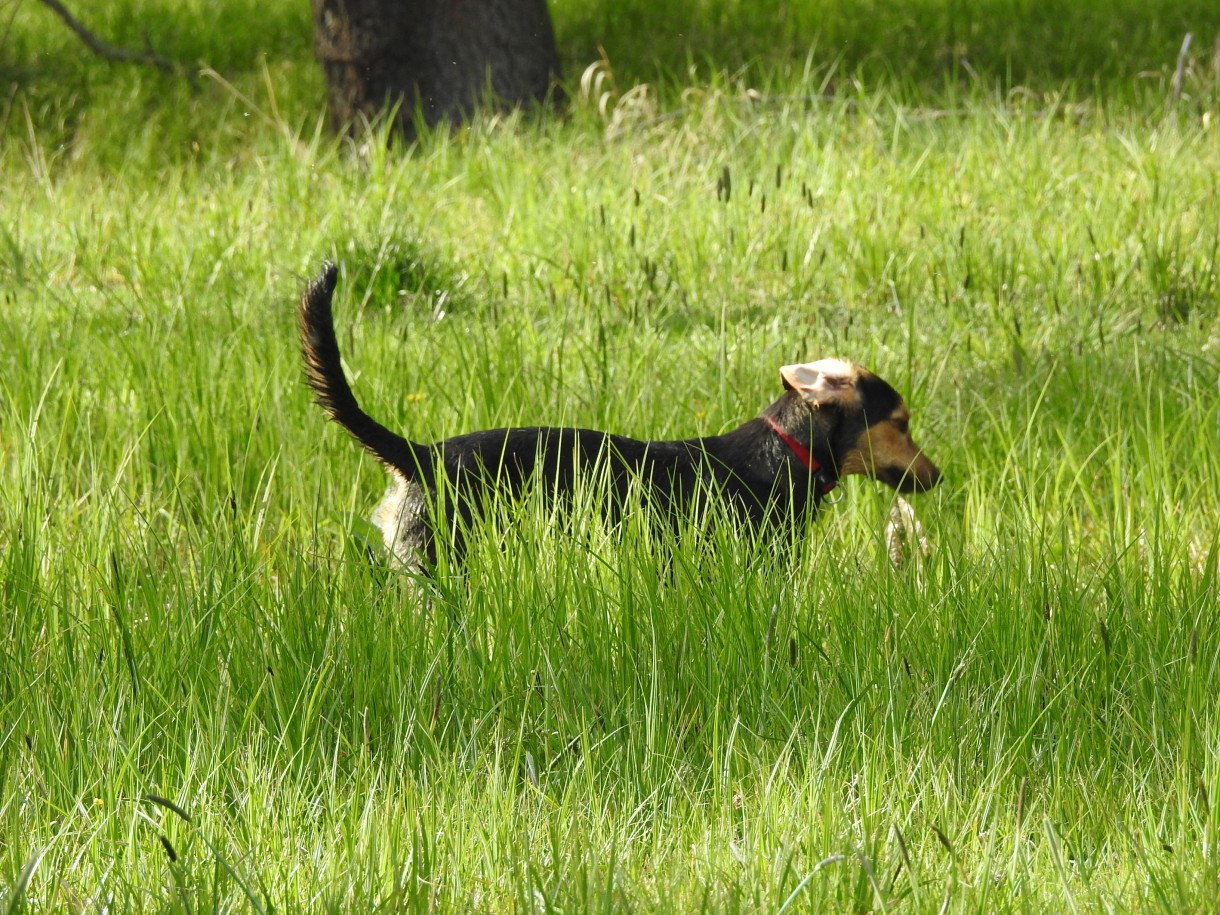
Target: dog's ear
{"x": 825, "y": 382}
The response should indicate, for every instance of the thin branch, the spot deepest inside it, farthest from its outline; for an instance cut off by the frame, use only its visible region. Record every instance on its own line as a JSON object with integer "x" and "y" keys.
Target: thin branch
{"x": 102, "y": 48}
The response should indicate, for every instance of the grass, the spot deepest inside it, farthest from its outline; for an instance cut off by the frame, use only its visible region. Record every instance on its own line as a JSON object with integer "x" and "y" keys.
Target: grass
{"x": 210, "y": 698}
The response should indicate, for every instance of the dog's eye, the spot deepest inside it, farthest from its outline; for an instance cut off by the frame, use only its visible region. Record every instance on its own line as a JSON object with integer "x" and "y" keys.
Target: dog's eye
{"x": 902, "y": 425}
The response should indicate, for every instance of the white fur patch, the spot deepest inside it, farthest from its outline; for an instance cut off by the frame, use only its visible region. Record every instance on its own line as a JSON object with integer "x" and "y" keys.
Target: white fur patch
{"x": 400, "y": 516}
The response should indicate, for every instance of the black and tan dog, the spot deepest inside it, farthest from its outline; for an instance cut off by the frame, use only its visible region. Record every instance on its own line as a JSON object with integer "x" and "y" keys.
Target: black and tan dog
{"x": 834, "y": 419}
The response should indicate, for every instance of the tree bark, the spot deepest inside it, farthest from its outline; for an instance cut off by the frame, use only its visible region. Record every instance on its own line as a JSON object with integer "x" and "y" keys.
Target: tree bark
{"x": 434, "y": 58}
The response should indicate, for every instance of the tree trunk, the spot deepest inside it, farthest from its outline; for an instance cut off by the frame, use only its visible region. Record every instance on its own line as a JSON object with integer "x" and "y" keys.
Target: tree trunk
{"x": 437, "y": 58}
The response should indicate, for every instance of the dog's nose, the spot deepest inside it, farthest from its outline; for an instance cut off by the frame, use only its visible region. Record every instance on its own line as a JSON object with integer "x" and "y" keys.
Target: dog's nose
{"x": 923, "y": 475}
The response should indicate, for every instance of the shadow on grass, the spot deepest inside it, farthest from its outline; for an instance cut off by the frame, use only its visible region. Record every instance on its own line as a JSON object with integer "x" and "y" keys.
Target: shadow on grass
{"x": 402, "y": 271}
{"x": 1042, "y": 44}
{"x": 917, "y": 42}
{"x": 229, "y": 37}
{"x": 52, "y": 80}
{"x": 1116, "y": 50}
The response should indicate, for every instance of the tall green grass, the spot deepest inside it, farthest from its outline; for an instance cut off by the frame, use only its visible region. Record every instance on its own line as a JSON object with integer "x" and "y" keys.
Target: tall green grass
{"x": 213, "y": 699}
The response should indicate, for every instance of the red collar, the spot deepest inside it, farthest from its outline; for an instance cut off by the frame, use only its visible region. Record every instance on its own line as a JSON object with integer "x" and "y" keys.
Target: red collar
{"x": 803, "y": 455}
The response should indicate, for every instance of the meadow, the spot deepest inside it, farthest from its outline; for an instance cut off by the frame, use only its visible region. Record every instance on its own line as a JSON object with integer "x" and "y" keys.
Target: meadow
{"x": 214, "y": 697}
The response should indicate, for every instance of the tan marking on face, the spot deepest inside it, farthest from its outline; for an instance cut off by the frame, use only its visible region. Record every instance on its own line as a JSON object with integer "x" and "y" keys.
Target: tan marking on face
{"x": 885, "y": 451}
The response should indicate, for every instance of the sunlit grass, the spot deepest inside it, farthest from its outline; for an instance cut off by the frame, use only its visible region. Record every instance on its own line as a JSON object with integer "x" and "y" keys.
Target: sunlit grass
{"x": 213, "y": 698}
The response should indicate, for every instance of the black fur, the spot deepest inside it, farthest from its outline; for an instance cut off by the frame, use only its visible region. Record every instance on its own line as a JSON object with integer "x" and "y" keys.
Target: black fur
{"x": 751, "y": 468}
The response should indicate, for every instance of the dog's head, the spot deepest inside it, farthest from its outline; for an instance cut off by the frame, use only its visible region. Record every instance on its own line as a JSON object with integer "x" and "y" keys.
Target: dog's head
{"x": 866, "y": 423}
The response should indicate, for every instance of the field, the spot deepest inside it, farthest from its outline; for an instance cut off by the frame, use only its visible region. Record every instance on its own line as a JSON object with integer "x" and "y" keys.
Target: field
{"x": 214, "y": 697}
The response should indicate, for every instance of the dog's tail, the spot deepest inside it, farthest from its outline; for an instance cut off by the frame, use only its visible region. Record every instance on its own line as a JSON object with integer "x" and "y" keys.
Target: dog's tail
{"x": 324, "y": 372}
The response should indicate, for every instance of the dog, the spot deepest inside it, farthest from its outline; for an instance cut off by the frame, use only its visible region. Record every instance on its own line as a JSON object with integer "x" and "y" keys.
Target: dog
{"x": 833, "y": 420}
